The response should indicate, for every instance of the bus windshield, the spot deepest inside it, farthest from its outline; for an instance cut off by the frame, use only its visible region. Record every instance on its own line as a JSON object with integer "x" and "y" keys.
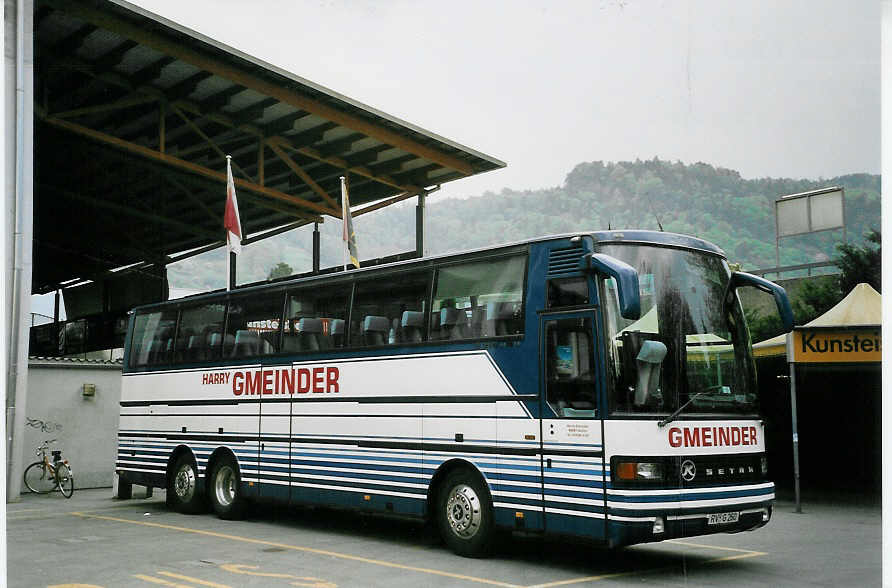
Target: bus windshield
{"x": 688, "y": 349}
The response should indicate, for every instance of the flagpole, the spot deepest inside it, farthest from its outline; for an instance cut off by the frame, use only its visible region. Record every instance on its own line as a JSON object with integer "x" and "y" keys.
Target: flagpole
{"x": 344, "y": 218}
{"x": 227, "y": 249}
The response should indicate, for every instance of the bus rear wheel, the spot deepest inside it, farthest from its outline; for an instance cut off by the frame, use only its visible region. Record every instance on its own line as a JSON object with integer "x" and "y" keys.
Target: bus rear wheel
{"x": 464, "y": 514}
{"x": 225, "y": 490}
{"x": 182, "y": 487}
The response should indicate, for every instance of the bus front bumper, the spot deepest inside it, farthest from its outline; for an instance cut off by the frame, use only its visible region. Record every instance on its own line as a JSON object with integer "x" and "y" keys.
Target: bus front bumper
{"x": 674, "y": 526}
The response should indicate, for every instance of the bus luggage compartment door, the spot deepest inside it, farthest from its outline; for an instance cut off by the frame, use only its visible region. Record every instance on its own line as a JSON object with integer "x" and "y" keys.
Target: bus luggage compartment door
{"x": 274, "y": 431}
{"x": 572, "y": 446}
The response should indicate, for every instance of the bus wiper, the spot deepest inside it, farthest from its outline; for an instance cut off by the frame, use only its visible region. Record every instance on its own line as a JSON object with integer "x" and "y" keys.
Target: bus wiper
{"x": 678, "y": 410}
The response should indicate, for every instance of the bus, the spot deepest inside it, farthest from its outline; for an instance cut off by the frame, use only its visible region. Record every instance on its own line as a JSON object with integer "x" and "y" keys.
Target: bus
{"x": 595, "y": 385}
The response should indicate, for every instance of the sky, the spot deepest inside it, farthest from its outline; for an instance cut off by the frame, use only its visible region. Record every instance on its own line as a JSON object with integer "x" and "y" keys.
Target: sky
{"x": 767, "y": 88}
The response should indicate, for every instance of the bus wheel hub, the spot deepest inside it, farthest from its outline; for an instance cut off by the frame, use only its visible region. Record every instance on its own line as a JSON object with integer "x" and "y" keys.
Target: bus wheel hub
{"x": 184, "y": 484}
{"x": 463, "y": 511}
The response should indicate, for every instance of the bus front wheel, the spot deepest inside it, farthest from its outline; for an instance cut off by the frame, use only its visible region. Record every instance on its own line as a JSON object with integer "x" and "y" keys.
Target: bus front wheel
{"x": 225, "y": 490}
{"x": 464, "y": 514}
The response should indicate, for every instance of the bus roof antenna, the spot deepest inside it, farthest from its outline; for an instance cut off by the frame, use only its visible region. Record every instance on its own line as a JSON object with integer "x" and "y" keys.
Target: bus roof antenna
{"x": 650, "y": 204}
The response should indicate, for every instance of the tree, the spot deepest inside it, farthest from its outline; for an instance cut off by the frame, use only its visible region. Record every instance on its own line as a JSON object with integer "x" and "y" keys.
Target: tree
{"x": 856, "y": 264}
{"x": 860, "y": 264}
{"x": 280, "y": 270}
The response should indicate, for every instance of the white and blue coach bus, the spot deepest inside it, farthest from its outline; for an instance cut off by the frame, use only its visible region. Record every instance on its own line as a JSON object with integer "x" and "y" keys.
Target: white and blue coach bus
{"x": 597, "y": 385}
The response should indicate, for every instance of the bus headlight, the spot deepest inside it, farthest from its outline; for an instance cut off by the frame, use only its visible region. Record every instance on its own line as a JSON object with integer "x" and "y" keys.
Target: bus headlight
{"x": 645, "y": 470}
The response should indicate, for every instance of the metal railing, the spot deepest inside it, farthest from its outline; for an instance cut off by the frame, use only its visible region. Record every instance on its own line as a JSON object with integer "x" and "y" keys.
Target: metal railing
{"x": 807, "y": 267}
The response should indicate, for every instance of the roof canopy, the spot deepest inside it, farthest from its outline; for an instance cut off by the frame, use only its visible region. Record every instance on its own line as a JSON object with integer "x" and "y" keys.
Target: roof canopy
{"x": 862, "y": 307}
{"x": 135, "y": 115}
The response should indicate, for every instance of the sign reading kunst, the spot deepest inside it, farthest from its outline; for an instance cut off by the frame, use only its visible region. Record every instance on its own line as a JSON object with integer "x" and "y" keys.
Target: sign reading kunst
{"x": 829, "y": 345}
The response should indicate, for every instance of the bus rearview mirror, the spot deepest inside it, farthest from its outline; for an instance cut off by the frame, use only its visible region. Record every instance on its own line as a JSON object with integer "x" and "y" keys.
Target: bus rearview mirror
{"x": 626, "y": 281}
{"x": 739, "y": 279}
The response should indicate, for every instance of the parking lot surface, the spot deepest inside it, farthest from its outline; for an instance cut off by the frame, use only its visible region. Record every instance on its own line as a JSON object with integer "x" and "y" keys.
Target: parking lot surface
{"x": 95, "y": 540}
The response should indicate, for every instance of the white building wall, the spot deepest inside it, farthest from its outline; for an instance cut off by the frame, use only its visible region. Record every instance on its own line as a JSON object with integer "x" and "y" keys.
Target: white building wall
{"x": 86, "y": 426}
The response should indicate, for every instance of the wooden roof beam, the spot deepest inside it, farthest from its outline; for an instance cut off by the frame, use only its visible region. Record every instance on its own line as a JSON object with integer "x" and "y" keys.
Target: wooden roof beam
{"x": 75, "y": 40}
{"x": 287, "y": 142}
{"x": 267, "y": 203}
{"x": 283, "y": 123}
{"x": 158, "y": 43}
{"x": 209, "y": 141}
{"x": 134, "y": 100}
{"x": 151, "y": 72}
{"x": 132, "y": 212}
{"x": 115, "y": 56}
{"x": 185, "y": 165}
{"x": 280, "y": 153}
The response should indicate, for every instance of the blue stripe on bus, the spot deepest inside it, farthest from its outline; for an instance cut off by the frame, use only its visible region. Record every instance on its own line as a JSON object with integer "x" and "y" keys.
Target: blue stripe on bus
{"x": 377, "y": 467}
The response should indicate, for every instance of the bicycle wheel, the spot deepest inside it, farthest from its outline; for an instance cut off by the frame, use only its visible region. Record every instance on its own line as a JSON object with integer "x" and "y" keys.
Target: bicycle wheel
{"x": 65, "y": 479}
{"x": 39, "y": 478}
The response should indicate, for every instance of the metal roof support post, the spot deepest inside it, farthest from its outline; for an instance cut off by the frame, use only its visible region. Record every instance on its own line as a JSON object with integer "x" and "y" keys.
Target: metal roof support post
{"x": 316, "y": 244}
{"x": 20, "y": 198}
{"x": 56, "y": 309}
{"x": 419, "y": 225}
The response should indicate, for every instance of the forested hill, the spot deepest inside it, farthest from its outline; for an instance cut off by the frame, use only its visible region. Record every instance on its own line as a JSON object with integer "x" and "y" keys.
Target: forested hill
{"x": 698, "y": 199}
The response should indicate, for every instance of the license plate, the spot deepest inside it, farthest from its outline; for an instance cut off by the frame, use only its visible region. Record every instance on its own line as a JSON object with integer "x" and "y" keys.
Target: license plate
{"x": 722, "y": 518}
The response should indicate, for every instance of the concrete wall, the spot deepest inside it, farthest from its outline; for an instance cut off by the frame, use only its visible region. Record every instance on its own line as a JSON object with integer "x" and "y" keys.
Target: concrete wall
{"x": 86, "y": 426}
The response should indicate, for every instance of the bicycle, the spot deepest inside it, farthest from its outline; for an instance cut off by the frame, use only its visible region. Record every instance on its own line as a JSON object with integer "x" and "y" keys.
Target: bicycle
{"x": 44, "y": 476}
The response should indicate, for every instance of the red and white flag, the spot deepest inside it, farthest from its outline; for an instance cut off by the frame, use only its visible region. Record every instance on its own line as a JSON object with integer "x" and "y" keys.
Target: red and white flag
{"x": 231, "y": 220}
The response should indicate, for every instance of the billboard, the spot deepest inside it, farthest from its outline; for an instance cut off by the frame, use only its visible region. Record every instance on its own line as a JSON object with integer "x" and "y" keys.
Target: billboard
{"x": 809, "y": 212}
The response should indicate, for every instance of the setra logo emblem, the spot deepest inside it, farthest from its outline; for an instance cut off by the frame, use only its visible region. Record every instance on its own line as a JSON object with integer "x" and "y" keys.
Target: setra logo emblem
{"x": 688, "y": 470}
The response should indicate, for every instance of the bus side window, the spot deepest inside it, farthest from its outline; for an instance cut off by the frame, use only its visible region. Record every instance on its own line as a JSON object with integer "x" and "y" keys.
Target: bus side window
{"x": 479, "y": 299}
{"x": 252, "y": 328}
{"x": 152, "y": 339}
{"x": 385, "y": 310}
{"x": 569, "y": 372}
{"x": 566, "y": 292}
{"x": 194, "y": 340}
{"x": 314, "y": 319}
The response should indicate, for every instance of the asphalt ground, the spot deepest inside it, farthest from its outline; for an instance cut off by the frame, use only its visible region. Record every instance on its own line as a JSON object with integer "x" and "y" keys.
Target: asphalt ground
{"x": 95, "y": 540}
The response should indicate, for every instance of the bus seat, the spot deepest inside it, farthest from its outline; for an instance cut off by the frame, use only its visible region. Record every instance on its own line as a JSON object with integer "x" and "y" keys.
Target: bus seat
{"x": 412, "y": 324}
{"x": 194, "y": 348}
{"x": 228, "y": 344}
{"x": 291, "y": 342}
{"x": 337, "y": 328}
{"x": 246, "y": 343}
{"x": 586, "y": 413}
{"x": 270, "y": 342}
{"x": 309, "y": 330}
{"x": 153, "y": 351}
{"x": 213, "y": 340}
{"x": 452, "y": 323}
{"x": 478, "y": 315}
{"x": 167, "y": 353}
{"x": 498, "y": 317}
{"x": 182, "y": 344}
{"x": 435, "y": 325}
{"x": 375, "y": 330}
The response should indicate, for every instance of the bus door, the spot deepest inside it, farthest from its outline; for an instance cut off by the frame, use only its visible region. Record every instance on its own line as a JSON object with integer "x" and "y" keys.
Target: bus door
{"x": 572, "y": 443}
{"x": 274, "y": 448}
